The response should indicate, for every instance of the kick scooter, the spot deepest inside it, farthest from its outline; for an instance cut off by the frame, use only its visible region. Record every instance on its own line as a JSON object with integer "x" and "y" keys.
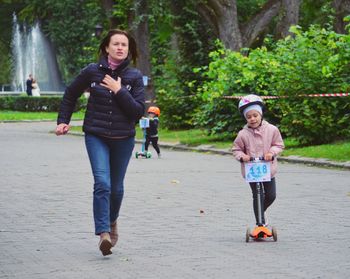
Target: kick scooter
{"x": 258, "y": 171}
{"x": 144, "y": 124}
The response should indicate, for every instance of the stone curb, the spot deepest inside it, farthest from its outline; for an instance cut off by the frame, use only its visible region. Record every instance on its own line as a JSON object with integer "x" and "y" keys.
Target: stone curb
{"x": 210, "y": 149}
{"x": 289, "y": 159}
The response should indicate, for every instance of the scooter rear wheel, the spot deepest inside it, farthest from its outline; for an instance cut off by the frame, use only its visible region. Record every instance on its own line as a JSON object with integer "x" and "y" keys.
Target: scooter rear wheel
{"x": 274, "y": 233}
{"x": 247, "y": 235}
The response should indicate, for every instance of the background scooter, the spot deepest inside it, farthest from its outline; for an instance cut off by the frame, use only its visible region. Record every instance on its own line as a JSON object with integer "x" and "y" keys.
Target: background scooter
{"x": 144, "y": 124}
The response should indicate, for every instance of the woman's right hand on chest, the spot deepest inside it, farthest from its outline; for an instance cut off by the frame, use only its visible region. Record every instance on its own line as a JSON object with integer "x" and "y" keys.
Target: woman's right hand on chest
{"x": 111, "y": 84}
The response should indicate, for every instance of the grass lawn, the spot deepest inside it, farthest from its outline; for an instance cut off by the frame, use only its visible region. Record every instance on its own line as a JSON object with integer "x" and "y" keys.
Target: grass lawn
{"x": 339, "y": 151}
{"x": 21, "y": 116}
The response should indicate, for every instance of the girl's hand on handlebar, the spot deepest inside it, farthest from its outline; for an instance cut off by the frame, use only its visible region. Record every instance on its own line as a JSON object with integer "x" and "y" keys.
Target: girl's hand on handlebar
{"x": 245, "y": 158}
{"x": 62, "y": 129}
{"x": 268, "y": 157}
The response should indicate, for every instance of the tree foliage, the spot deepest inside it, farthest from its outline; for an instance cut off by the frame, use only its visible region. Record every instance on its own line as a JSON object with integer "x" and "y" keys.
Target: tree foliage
{"x": 178, "y": 36}
{"x": 315, "y": 61}
{"x": 186, "y": 45}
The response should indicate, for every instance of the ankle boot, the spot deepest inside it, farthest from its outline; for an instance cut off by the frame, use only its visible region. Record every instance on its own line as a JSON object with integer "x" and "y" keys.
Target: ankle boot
{"x": 105, "y": 244}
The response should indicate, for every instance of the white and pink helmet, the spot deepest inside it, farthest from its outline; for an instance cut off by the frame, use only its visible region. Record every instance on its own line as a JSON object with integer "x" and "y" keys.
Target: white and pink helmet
{"x": 250, "y": 100}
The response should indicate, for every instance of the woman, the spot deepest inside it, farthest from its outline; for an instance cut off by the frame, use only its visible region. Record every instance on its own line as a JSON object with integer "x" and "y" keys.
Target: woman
{"x": 115, "y": 104}
{"x": 35, "y": 88}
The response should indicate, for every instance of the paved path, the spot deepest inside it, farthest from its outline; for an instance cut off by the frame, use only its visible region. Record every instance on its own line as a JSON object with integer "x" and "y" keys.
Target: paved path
{"x": 46, "y": 228}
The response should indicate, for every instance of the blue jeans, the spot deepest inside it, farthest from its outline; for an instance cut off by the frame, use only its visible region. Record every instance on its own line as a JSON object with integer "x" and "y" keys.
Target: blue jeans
{"x": 109, "y": 159}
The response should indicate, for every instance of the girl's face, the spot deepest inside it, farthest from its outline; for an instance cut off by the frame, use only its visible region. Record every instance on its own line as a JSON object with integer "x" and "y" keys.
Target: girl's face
{"x": 118, "y": 48}
{"x": 253, "y": 118}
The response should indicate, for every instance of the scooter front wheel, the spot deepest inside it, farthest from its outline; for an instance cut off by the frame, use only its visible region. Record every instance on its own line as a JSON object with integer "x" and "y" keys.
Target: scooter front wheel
{"x": 274, "y": 233}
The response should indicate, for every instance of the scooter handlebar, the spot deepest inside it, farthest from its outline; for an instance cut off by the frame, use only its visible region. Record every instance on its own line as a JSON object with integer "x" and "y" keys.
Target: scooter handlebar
{"x": 256, "y": 159}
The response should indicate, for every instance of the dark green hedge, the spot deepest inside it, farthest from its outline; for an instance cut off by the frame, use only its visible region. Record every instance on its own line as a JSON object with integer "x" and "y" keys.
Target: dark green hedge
{"x": 25, "y": 103}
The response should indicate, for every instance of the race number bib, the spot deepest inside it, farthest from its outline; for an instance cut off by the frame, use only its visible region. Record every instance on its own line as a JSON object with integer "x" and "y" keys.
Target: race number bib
{"x": 258, "y": 171}
{"x": 144, "y": 123}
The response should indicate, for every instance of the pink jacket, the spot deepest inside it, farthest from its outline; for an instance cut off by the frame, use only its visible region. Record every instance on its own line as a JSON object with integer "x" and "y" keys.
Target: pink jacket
{"x": 257, "y": 142}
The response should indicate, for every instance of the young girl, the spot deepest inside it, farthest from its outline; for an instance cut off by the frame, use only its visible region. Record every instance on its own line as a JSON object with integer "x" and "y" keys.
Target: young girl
{"x": 258, "y": 138}
{"x": 152, "y": 131}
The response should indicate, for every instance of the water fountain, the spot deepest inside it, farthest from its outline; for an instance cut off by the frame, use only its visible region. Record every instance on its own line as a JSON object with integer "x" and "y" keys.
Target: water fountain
{"x": 33, "y": 54}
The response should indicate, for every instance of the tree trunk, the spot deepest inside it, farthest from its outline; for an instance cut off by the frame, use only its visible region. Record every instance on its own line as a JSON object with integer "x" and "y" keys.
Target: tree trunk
{"x": 259, "y": 22}
{"x": 290, "y": 16}
{"x": 138, "y": 24}
{"x": 221, "y": 15}
{"x": 342, "y": 9}
{"x": 108, "y": 7}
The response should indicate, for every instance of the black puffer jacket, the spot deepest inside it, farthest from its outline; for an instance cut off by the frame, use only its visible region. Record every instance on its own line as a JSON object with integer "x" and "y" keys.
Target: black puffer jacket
{"x": 107, "y": 114}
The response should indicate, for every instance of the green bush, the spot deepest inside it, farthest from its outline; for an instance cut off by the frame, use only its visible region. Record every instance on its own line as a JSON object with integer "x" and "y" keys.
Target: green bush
{"x": 176, "y": 100}
{"x": 216, "y": 118}
{"x": 176, "y": 109}
{"x": 315, "y": 61}
{"x": 316, "y": 120}
{"x": 26, "y": 103}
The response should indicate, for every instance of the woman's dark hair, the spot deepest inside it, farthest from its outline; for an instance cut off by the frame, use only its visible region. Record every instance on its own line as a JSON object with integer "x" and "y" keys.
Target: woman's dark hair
{"x": 132, "y": 44}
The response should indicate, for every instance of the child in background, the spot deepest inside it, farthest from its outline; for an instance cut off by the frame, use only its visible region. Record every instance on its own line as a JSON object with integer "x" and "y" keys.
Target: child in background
{"x": 152, "y": 131}
{"x": 258, "y": 138}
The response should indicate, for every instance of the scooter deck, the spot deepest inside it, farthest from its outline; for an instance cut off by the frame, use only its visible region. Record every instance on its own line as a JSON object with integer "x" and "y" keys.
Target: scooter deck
{"x": 144, "y": 154}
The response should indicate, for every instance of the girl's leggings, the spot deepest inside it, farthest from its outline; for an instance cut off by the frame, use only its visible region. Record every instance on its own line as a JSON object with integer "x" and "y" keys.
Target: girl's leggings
{"x": 154, "y": 141}
{"x": 268, "y": 195}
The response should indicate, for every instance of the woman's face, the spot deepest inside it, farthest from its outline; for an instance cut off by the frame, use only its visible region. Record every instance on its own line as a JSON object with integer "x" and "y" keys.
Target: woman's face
{"x": 118, "y": 48}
